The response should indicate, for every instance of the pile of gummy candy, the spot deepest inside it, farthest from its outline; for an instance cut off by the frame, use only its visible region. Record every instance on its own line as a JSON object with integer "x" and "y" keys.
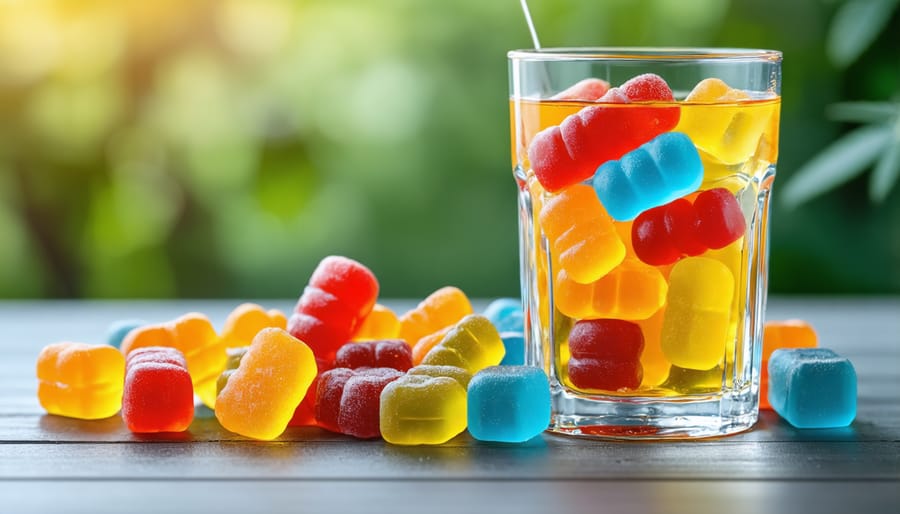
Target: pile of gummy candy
{"x": 344, "y": 363}
{"x": 341, "y": 362}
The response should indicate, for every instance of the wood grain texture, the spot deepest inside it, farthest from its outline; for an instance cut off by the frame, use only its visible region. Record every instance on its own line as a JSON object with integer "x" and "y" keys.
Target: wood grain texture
{"x": 54, "y": 464}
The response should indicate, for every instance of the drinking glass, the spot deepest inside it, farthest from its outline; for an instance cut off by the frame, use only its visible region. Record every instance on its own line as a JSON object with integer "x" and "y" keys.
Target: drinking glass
{"x": 643, "y": 218}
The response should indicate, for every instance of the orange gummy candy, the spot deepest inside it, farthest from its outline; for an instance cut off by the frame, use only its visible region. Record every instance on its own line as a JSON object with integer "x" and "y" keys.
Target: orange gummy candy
{"x": 195, "y": 337}
{"x": 246, "y": 320}
{"x": 582, "y": 236}
{"x": 382, "y": 323}
{"x": 274, "y": 375}
{"x": 441, "y": 309}
{"x": 80, "y": 380}
{"x": 792, "y": 333}
{"x": 632, "y": 291}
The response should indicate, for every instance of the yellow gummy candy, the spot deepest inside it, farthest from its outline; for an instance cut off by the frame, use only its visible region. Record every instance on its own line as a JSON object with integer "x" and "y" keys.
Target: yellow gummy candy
{"x": 632, "y": 291}
{"x": 81, "y": 381}
{"x": 582, "y": 237}
{"x": 698, "y": 312}
{"x": 274, "y": 375}
{"x": 472, "y": 344}
{"x": 420, "y": 409}
{"x": 724, "y": 128}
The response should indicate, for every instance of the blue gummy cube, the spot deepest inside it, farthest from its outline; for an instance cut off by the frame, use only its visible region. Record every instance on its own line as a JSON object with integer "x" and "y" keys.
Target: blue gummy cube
{"x": 117, "y": 330}
{"x": 812, "y": 387}
{"x": 654, "y": 174}
{"x": 514, "y": 342}
{"x": 508, "y": 404}
{"x": 506, "y": 314}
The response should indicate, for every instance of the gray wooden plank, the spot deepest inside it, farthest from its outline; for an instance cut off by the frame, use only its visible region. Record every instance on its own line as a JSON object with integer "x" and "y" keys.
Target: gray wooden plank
{"x": 415, "y": 497}
{"x": 536, "y": 460}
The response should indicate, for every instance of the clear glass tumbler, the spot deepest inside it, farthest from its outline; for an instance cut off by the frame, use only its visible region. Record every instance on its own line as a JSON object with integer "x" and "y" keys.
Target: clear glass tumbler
{"x": 644, "y": 177}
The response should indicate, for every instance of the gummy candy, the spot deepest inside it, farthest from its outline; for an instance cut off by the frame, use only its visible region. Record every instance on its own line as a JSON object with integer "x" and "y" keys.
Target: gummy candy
{"x": 305, "y": 413}
{"x": 582, "y": 238}
{"x": 194, "y": 336}
{"x": 246, "y": 320}
{"x": 792, "y": 333}
{"x": 460, "y": 375}
{"x": 361, "y": 402}
{"x": 340, "y": 294}
{"x": 506, "y": 314}
{"x": 394, "y": 354}
{"x": 328, "y": 397}
{"x": 274, "y": 375}
{"x": 658, "y": 172}
{"x": 425, "y": 344}
{"x": 812, "y": 387}
{"x": 631, "y": 291}
{"x": 665, "y": 234}
{"x": 439, "y": 310}
{"x": 472, "y": 344}
{"x": 509, "y": 404}
{"x": 419, "y": 409}
{"x": 514, "y": 345}
{"x": 79, "y": 380}
{"x": 158, "y": 394}
{"x": 726, "y": 130}
{"x": 587, "y": 90}
{"x": 571, "y": 152}
{"x": 381, "y": 323}
{"x": 653, "y": 360}
{"x": 698, "y": 312}
{"x": 605, "y": 354}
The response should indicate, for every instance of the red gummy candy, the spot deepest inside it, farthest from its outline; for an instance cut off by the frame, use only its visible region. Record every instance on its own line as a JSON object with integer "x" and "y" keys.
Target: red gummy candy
{"x": 340, "y": 294}
{"x": 391, "y": 353}
{"x": 571, "y": 152}
{"x": 587, "y": 90}
{"x": 328, "y": 397}
{"x": 361, "y": 402}
{"x": 158, "y": 394}
{"x": 665, "y": 234}
{"x": 606, "y": 354}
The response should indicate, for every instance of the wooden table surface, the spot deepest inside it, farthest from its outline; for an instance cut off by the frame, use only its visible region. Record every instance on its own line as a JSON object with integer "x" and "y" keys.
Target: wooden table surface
{"x": 53, "y": 464}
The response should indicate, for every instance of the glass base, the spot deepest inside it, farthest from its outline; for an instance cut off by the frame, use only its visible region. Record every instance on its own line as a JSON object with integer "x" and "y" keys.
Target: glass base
{"x": 646, "y": 418}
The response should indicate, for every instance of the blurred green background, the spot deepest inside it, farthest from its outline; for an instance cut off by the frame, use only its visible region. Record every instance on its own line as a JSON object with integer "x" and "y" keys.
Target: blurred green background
{"x": 221, "y": 148}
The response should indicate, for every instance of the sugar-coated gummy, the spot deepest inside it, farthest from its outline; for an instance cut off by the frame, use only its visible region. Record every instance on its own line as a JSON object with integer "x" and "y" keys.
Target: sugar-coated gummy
{"x": 654, "y": 174}
{"x": 194, "y": 336}
{"x": 246, "y": 320}
{"x": 506, "y": 314}
{"x": 79, "y": 380}
{"x": 420, "y": 409}
{"x": 429, "y": 370}
{"x": 509, "y": 404}
{"x": 393, "y": 353}
{"x": 472, "y": 344}
{"x": 514, "y": 344}
{"x": 439, "y": 310}
{"x": 158, "y": 395}
{"x": 812, "y": 387}
{"x": 329, "y": 391}
{"x": 381, "y": 323}
{"x": 117, "y": 330}
{"x": 587, "y": 90}
{"x": 360, "y": 405}
{"x": 341, "y": 292}
{"x": 605, "y": 354}
{"x": 273, "y": 377}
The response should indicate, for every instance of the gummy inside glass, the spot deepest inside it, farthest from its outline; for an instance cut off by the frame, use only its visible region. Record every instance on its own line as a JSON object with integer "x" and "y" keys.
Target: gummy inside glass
{"x": 643, "y": 218}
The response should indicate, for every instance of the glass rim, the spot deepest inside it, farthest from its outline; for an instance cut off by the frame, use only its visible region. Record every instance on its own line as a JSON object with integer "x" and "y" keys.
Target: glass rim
{"x": 624, "y": 53}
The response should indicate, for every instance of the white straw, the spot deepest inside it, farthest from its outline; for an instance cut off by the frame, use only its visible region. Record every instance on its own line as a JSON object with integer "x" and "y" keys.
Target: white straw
{"x": 530, "y": 22}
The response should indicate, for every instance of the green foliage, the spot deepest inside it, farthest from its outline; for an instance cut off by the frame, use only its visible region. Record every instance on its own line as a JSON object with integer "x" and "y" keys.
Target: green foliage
{"x": 856, "y": 25}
